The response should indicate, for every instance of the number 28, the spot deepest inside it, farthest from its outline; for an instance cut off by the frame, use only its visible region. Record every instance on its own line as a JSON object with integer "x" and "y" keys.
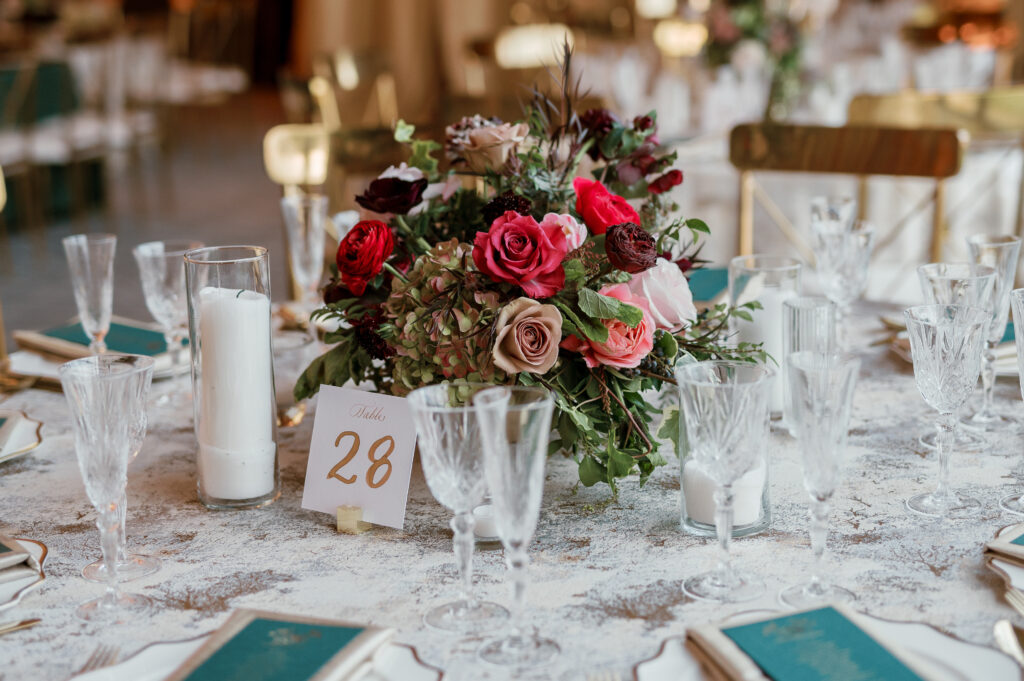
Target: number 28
{"x": 376, "y": 462}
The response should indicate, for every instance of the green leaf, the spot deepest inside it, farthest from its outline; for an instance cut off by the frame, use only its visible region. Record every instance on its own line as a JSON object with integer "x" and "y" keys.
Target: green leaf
{"x": 574, "y": 271}
{"x": 404, "y": 132}
{"x": 591, "y": 471}
{"x": 605, "y": 307}
{"x": 668, "y": 344}
{"x": 698, "y": 226}
{"x": 619, "y": 463}
{"x": 671, "y": 429}
{"x": 421, "y": 156}
{"x": 590, "y": 328}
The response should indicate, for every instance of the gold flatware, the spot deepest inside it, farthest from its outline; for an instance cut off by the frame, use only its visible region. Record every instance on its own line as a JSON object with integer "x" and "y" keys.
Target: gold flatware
{"x": 17, "y": 626}
{"x": 103, "y": 656}
{"x": 1008, "y": 639}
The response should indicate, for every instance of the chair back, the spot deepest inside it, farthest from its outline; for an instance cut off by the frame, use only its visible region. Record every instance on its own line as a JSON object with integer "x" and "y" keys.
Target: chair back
{"x": 998, "y": 112}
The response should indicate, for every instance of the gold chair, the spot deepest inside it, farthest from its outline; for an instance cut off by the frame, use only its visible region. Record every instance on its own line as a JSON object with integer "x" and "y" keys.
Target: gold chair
{"x": 992, "y": 117}
{"x": 852, "y": 150}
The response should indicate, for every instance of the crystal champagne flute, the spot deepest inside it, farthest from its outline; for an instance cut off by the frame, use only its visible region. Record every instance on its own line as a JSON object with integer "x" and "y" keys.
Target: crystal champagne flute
{"x": 91, "y": 261}
{"x": 451, "y": 452}
{"x": 105, "y": 394}
{"x": 304, "y": 217}
{"x": 516, "y": 424}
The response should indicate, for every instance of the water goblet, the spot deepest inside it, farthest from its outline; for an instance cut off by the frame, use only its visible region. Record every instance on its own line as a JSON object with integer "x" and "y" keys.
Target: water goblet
{"x": 304, "y": 217}
{"x": 162, "y": 271}
{"x": 843, "y": 253}
{"x": 451, "y": 454}
{"x": 808, "y": 325}
{"x": 725, "y": 409}
{"x": 821, "y": 386}
{"x": 515, "y": 423}
{"x": 106, "y": 394}
{"x": 1014, "y": 503}
{"x": 91, "y": 261}
{"x": 945, "y": 343}
{"x": 1000, "y": 253}
{"x": 957, "y": 284}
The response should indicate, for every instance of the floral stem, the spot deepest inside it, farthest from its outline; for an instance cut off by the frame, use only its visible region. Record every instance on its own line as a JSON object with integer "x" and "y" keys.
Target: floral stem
{"x": 407, "y": 232}
{"x": 391, "y": 268}
{"x": 632, "y": 421}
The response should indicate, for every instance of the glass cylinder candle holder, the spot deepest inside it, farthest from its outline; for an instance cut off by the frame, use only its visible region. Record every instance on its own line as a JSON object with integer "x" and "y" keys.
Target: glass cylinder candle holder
{"x": 770, "y": 280}
{"x": 808, "y": 325}
{"x": 752, "y": 510}
{"x": 233, "y": 376}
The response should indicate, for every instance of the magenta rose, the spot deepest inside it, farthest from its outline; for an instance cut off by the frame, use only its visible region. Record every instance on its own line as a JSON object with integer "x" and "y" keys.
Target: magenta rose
{"x": 626, "y": 346}
{"x": 519, "y": 251}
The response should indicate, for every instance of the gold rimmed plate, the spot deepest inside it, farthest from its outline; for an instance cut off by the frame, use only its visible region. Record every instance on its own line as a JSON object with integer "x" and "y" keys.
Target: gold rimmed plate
{"x": 20, "y": 434}
{"x": 12, "y": 592}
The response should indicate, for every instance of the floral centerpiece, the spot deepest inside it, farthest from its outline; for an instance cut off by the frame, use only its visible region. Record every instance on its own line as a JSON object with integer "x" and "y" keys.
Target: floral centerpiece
{"x": 514, "y": 265}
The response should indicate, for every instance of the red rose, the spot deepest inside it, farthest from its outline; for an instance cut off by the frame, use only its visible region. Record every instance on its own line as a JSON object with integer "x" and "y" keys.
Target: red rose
{"x": 599, "y": 208}
{"x": 519, "y": 251}
{"x": 361, "y": 254}
{"x": 666, "y": 182}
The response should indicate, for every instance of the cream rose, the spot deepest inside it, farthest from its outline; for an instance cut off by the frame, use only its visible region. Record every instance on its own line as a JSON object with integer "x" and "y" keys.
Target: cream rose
{"x": 527, "y": 338}
{"x": 487, "y": 148}
{"x": 667, "y": 294}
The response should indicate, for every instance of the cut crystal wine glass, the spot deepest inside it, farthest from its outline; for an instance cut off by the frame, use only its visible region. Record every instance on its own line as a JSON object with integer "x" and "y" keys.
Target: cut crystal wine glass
{"x": 958, "y": 284}
{"x": 842, "y": 253}
{"x": 821, "y": 387}
{"x": 725, "y": 409}
{"x": 91, "y": 261}
{"x": 106, "y": 394}
{"x": 516, "y": 424}
{"x": 946, "y": 342}
{"x": 451, "y": 452}
{"x": 1001, "y": 253}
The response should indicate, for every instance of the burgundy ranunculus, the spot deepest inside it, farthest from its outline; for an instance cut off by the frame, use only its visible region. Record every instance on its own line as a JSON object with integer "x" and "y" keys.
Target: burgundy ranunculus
{"x": 665, "y": 182}
{"x": 630, "y": 248}
{"x": 361, "y": 254}
{"x": 642, "y": 123}
{"x": 597, "y": 123}
{"x": 392, "y": 195}
{"x": 519, "y": 251}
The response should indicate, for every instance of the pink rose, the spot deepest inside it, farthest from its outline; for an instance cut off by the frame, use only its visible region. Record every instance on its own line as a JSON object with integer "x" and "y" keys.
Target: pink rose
{"x": 625, "y": 347}
{"x": 519, "y": 251}
{"x": 599, "y": 208}
{"x": 667, "y": 294}
{"x": 574, "y": 232}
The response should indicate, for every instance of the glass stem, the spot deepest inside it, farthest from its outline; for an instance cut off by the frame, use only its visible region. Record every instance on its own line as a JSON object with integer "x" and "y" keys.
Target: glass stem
{"x": 943, "y": 445}
{"x": 518, "y": 562}
{"x": 122, "y": 537}
{"x": 108, "y": 523}
{"x": 842, "y": 319}
{"x": 819, "y": 536}
{"x": 723, "y": 526}
{"x": 174, "y": 339}
{"x": 97, "y": 346}
{"x": 988, "y": 381}
{"x": 462, "y": 525}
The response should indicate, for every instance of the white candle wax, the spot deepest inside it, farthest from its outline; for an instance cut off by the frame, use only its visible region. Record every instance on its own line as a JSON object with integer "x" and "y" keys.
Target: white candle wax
{"x": 485, "y": 527}
{"x": 236, "y": 427}
{"x": 699, "y": 492}
{"x": 766, "y": 328}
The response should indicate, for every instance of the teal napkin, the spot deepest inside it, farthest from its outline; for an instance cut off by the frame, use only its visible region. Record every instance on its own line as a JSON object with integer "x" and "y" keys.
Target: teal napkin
{"x": 133, "y": 340}
{"x": 271, "y": 650}
{"x": 708, "y": 282}
{"x": 1008, "y": 335}
{"x": 817, "y": 645}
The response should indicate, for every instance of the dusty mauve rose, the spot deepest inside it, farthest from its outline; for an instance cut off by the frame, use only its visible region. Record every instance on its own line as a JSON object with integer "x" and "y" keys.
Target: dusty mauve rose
{"x": 519, "y": 251}
{"x": 575, "y": 233}
{"x": 599, "y": 208}
{"x": 626, "y": 346}
{"x": 527, "y": 337}
{"x": 488, "y": 147}
{"x": 630, "y": 248}
{"x": 665, "y": 182}
{"x": 392, "y": 195}
{"x": 361, "y": 254}
{"x": 667, "y": 294}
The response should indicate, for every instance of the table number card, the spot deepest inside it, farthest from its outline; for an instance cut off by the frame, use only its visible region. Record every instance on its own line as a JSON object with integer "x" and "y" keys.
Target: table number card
{"x": 361, "y": 455}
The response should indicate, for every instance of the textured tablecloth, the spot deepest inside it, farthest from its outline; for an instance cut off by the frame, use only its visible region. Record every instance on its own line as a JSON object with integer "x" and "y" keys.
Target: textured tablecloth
{"x": 606, "y": 574}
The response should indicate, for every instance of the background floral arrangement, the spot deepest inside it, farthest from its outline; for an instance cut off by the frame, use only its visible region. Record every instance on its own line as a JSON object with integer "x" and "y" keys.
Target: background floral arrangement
{"x": 746, "y": 34}
{"x": 533, "y": 273}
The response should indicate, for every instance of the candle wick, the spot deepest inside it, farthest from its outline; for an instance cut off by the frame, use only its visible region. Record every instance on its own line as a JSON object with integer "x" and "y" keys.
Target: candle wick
{"x": 240, "y": 291}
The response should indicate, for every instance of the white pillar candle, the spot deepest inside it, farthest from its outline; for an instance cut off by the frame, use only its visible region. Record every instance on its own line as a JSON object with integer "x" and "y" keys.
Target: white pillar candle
{"x": 699, "y": 493}
{"x": 766, "y": 328}
{"x": 236, "y": 429}
{"x": 485, "y": 527}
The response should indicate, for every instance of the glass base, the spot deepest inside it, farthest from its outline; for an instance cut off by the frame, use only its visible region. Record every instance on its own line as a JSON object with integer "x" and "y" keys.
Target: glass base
{"x": 993, "y": 422}
{"x": 1013, "y": 503}
{"x": 458, "y": 616}
{"x": 135, "y": 566}
{"x": 519, "y": 651}
{"x": 716, "y": 586}
{"x": 127, "y": 607}
{"x": 802, "y": 596}
{"x": 963, "y": 441}
{"x": 954, "y": 506}
{"x": 215, "y": 504}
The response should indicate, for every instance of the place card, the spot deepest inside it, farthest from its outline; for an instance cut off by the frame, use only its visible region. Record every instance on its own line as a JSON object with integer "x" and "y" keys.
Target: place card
{"x": 263, "y": 646}
{"x": 360, "y": 455}
{"x": 821, "y": 644}
{"x": 1008, "y": 544}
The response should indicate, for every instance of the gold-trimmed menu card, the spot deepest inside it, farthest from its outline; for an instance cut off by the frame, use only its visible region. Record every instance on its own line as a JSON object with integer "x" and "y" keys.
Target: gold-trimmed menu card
{"x": 255, "y": 645}
{"x": 15, "y": 561}
{"x": 1008, "y": 545}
